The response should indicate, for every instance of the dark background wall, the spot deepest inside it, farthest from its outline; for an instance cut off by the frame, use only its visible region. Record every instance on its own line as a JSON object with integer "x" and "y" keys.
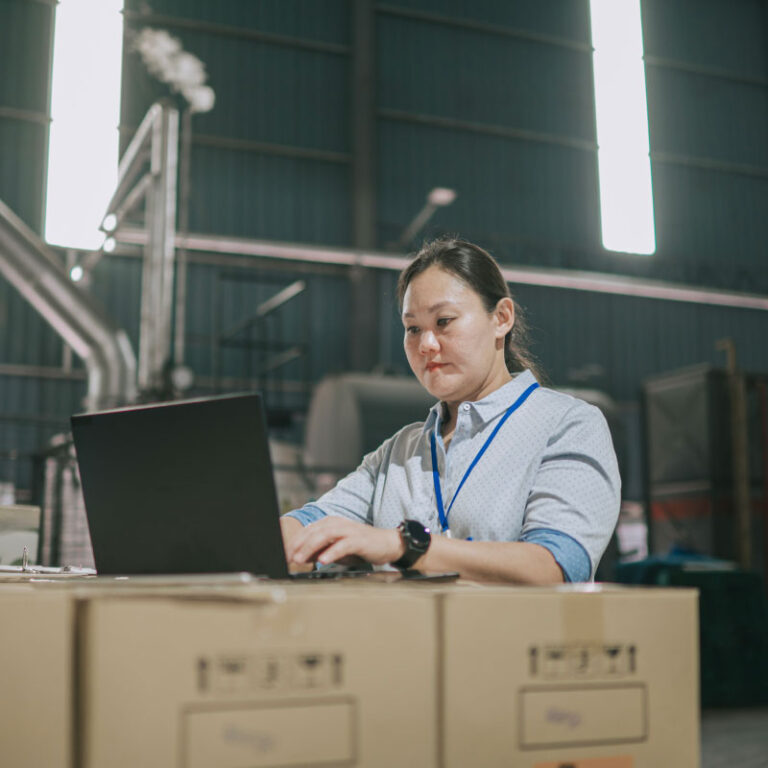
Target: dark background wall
{"x": 489, "y": 97}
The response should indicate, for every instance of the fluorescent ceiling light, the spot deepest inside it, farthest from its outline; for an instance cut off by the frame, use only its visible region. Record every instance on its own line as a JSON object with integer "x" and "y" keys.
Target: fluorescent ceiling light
{"x": 85, "y": 111}
{"x": 624, "y": 163}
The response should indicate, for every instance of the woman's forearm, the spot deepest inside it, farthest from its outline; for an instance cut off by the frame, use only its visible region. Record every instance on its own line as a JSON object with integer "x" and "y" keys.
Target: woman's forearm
{"x": 515, "y": 562}
{"x": 508, "y": 562}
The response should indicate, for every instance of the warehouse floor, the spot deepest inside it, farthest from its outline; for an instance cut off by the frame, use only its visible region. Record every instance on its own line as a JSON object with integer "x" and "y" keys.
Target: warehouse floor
{"x": 734, "y": 738}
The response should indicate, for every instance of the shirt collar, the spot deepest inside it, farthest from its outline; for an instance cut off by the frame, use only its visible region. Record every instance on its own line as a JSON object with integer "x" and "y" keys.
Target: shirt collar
{"x": 492, "y": 405}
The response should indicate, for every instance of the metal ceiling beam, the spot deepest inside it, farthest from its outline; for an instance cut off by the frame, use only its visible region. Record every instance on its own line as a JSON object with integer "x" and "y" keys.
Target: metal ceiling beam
{"x": 25, "y": 115}
{"x": 487, "y": 129}
{"x": 227, "y": 30}
{"x": 577, "y": 280}
{"x": 485, "y": 27}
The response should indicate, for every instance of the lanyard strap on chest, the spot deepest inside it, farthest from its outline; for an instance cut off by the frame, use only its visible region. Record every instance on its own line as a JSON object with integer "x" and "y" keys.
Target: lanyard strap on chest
{"x": 442, "y": 514}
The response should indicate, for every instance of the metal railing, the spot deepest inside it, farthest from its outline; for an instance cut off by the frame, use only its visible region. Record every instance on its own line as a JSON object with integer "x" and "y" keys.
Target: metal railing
{"x": 148, "y": 173}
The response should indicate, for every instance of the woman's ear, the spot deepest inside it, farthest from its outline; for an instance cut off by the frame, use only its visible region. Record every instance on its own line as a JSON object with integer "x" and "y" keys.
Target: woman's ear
{"x": 504, "y": 316}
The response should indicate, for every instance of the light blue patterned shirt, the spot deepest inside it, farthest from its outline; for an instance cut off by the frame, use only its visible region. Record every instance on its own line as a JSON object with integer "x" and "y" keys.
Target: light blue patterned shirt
{"x": 549, "y": 477}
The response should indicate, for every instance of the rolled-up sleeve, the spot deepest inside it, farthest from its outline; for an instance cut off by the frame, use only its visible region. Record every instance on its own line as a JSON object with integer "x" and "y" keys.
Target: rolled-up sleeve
{"x": 309, "y": 513}
{"x": 572, "y": 558}
{"x": 577, "y": 489}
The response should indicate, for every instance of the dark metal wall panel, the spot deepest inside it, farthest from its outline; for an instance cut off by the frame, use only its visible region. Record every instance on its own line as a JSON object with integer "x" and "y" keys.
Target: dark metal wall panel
{"x": 495, "y": 101}
{"x": 724, "y": 34}
{"x": 23, "y": 146}
{"x": 264, "y": 92}
{"x": 711, "y": 226}
{"x": 507, "y": 190}
{"x": 31, "y": 408}
{"x": 116, "y": 283}
{"x": 25, "y": 62}
{"x": 565, "y": 19}
{"x": 26, "y": 29}
{"x": 25, "y": 338}
{"x": 25, "y": 58}
{"x": 707, "y": 77}
{"x": 700, "y": 116}
{"x": 256, "y": 195}
{"x": 282, "y": 95}
{"x": 201, "y": 319}
{"x": 32, "y": 411}
{"x": 320, "y": 20}
{"x": 443, "y": 71}
{"x": 631, "y": 339}
{"x": 272, "y": 158}
{"x": 220, "y": 298}
{"x": 46, "y": 403}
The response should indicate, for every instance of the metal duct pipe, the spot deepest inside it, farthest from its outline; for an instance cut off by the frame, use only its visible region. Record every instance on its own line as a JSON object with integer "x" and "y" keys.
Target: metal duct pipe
{"x": 28, "y": 264}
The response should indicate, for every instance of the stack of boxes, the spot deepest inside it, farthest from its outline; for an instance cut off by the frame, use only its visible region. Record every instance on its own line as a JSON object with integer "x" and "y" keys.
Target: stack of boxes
{"x": 347, "y": 674}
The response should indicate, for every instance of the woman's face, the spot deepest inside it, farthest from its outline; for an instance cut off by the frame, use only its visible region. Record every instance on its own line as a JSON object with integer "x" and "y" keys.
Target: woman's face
{"x": 453, "y": 345}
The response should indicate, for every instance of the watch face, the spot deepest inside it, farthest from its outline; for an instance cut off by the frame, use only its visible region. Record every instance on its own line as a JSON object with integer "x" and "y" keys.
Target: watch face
{"x": 418, "y": 534}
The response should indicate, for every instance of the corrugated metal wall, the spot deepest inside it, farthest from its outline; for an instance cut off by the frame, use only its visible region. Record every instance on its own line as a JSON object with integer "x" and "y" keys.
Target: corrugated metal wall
{"x": 514, "y": 83}
{"x": 26, "y": 28}
{"x": 489, "y": 97}
{"x": 32, "y": 407}
{"x": 495, "y": 101}
{"x": 272, "y": 158}
{"x": 707, "y": 80}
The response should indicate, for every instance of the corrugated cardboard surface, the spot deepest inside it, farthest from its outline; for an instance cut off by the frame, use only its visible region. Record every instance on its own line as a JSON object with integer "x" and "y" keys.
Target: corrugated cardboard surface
{"x": 541, "y": 677}
{"x": 36, "y": 679}
{"x": 260, "y": 678}
{"x": 347, "y": 674}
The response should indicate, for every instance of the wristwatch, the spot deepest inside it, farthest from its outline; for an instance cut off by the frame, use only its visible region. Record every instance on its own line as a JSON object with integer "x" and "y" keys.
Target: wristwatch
{"x": 416, "y": 538}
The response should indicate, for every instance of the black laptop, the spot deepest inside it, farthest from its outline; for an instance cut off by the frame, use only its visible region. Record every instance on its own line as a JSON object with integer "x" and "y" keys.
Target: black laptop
{"x": 180, "y": 488}
{"x": 186, "y": 487}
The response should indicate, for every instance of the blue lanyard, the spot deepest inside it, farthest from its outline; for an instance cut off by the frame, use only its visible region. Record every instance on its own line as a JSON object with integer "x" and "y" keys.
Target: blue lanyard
{"x": 442, "y": 514}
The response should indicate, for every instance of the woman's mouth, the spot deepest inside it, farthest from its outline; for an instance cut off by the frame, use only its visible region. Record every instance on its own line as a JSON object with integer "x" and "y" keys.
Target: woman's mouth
{"x": 434, "y": 366}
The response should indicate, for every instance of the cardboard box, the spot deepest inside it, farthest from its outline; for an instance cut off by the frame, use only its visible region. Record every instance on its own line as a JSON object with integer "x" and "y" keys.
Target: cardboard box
{"x": 259, "y": 677}
{"x": 583, "y": 676}
{"x": 36, "y": 675}
{"x": 347, "y": 674}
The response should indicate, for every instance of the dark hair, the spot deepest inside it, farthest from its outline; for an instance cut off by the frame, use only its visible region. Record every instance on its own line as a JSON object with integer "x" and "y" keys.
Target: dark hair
{"x": 479, "y": 270}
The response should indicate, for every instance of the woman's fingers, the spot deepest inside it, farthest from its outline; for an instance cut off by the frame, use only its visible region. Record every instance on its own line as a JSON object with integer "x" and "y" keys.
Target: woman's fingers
{"x": 337, "y": 551}
{"x": 316, "y": 537}
{"x": 331, "y": 539}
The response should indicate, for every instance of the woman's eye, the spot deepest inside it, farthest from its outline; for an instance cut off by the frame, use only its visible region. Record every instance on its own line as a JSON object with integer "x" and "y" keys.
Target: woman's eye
{"x": 443, "y": 321}
{"x": 412, "y": 330}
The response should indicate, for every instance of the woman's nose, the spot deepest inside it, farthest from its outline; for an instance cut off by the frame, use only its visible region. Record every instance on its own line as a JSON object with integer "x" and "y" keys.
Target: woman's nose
{"x": 427, "y": 342}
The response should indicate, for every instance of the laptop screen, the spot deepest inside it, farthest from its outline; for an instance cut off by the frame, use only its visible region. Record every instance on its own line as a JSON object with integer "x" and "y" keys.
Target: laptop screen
{"x": 180, "y": 487}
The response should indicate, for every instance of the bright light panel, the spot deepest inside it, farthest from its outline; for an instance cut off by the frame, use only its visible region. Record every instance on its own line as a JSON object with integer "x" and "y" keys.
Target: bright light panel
{"x": 623, "y": 156}
{"x": 85, "y": 111}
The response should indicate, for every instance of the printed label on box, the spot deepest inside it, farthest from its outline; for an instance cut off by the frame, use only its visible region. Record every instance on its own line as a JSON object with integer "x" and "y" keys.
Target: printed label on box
{"x": 569, "y": 716}
{"x": 266, "y": 736}
{"x": 579, "y": 661}
{"x": 241, "y": 673}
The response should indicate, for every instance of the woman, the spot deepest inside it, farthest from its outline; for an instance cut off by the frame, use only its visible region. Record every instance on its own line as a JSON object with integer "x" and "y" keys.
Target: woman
{"x": 505, "y": 481}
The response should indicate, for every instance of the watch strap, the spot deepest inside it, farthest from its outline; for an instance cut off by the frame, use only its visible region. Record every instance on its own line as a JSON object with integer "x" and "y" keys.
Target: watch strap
{"x": 413, "y": 548}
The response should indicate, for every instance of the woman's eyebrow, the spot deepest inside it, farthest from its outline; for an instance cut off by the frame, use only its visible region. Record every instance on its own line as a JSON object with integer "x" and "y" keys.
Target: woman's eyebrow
{"x": 431, "y": 309}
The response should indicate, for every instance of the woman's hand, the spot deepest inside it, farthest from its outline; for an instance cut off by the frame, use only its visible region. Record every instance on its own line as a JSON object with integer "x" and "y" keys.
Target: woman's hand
{"x": 336, "y": 539}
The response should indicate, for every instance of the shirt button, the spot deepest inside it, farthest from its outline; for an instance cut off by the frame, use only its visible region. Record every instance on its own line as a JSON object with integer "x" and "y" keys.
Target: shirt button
{"x": 465, "y": 406}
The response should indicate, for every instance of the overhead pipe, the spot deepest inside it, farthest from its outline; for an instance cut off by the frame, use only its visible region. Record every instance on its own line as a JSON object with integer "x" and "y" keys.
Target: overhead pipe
{"x": 547, "y": 277}
{"x": 29, "y": 265}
